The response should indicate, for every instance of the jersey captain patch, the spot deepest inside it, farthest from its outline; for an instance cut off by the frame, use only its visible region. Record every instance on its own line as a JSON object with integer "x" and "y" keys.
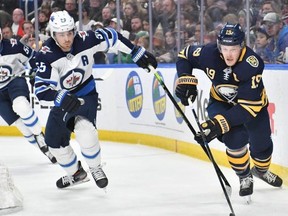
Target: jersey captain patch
{"x": 253, "y": 61}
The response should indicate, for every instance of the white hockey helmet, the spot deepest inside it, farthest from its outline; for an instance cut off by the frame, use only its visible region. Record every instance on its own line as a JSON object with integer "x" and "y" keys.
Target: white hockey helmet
{"x": 60, "y": 21}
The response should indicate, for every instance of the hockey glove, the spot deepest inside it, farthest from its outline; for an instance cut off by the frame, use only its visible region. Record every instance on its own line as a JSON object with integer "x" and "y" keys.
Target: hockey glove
{"x": 68, "y": 102}
{"x": 186, "y": 88}
{"x": 143, "y": 58}
{"x": 213, "y": 128}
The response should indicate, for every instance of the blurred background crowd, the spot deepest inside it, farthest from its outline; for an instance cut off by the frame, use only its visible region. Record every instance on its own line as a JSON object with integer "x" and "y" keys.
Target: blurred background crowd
{"x": 163, "y": 27}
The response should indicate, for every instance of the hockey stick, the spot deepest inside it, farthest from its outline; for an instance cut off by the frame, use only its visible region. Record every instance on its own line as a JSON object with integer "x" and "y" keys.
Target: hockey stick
{"x": 217, "y": 169}
{"x": 101, "y": 78}
{"x": 21, "y": 74}
{"x": 158, "y": 77}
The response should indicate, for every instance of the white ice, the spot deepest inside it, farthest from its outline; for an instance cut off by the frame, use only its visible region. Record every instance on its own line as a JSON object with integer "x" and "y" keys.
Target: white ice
{"x": 143, "y": 181}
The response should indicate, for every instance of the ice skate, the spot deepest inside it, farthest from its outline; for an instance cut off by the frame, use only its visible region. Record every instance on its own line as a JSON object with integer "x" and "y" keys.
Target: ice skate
{"x": 80, "y": 176}
{"x": 246, "y": 188}
{"x": 44, "y": 148}
{"x": 99, "y": 176}
{"x": 268, "y": 177}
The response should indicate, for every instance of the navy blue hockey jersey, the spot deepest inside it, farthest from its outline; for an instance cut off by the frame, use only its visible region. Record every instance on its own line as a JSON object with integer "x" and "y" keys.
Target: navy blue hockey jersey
{"x": 240, "y": 85}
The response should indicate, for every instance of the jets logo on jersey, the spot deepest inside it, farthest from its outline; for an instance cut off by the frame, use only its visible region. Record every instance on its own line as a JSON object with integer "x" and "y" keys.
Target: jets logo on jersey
{"x": 5, "y": 71}
{"x": 253, "y": 61}
{"x": 72, "y": 79}
{"x": 45, "y": 50}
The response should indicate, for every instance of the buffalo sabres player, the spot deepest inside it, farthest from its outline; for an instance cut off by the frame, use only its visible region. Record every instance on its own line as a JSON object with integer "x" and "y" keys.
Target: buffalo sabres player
{"x": 64, "y": 76}
{"x": 238, "y": 103}
{"x": 14, "y": 92}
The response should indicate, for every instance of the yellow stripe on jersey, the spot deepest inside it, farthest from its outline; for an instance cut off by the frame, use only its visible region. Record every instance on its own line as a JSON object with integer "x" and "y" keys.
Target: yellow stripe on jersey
{"x": 254, "y": 107}
{"x": 184, "y": 53}
{"x": 215, "y": 95}
{"x": 242, "y": 54}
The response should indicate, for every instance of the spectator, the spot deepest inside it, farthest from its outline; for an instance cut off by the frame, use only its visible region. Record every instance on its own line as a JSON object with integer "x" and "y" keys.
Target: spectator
{"x": 97, "y": 25}
{"x": 43, "y": 19}
{"x": 171, "y": 53}
{"x": 86, "y": 21}
{"x": 269, "y": 6}
{"x": 7, "y": 33}
{"x": 130, "y": 10}
{"x": 279, "y": 37}
{"x": 96, "y": 7}
{"x": 112, "y": 5}
{"x": 136, "y": 26}
{"x": 18, "y": 19}
{"x": 114, "y": 24}
{"x": 6, "y": 19}
{"x": 143, "y": 41}
{"x": 168, "y": 18}
{"x": 29, "y": 35}
{"x": 106, "y": 16}
{"x": 158, "y": 43}
{"x": 70, "y": 7}
{"x": 262, "y": 40}
{"x": 56, "y": 6}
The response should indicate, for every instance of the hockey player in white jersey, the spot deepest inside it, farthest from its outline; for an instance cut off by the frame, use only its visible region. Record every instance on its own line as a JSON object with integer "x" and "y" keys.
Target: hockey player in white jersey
{"x": 64, "y": 75}
{"x": 14, "y": 93}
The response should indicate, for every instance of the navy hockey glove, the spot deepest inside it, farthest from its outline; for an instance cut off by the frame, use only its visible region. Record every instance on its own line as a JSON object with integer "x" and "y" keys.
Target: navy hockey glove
{"x": 143, "y": 58}
{"x": 199, "y": 139}
{"x": 213, "y": 128}
{"x": 186, "y": 88}
{"x": 68, "y": 102}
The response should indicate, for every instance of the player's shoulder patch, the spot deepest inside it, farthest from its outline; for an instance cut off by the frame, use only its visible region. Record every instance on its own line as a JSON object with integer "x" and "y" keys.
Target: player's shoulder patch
{"x": 252, "y": 60}
{"x": 82, "y": 34}
{"x": 13, "y": 42}
{"x": 45, "y": 49}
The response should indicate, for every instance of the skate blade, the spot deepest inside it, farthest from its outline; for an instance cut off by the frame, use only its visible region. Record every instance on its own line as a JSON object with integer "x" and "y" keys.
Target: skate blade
{"x": 77, "y": 183}
{"x": 105, "y": 190}
{"x": 248, "y": 199}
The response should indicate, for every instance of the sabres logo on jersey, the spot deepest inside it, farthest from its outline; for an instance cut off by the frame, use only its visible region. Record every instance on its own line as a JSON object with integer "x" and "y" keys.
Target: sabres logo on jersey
{"x": 229, "y": 92}
{"x": 253, "y": 61}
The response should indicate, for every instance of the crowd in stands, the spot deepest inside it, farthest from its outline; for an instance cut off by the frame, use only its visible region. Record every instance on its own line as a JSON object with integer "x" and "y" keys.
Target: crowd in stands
{"x": 267, "y": 32}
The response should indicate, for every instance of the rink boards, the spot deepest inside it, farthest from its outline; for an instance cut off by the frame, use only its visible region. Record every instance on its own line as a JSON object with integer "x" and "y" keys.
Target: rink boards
{"x": 134, "y": 108}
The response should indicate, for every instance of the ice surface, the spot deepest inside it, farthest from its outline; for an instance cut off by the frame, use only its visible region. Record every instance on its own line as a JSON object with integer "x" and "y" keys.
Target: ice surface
{"x": 143, "y": 181}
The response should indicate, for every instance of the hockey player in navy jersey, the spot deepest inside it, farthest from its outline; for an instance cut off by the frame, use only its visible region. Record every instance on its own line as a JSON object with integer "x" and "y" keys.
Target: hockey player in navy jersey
{"x": 64, "y": 75}
{"x": 14, "y": 93}
{"x": 238, "y": 103}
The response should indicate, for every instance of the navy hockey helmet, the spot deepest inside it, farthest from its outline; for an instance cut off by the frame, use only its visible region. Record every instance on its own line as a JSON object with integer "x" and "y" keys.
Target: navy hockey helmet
{"x": 230, "y": 35}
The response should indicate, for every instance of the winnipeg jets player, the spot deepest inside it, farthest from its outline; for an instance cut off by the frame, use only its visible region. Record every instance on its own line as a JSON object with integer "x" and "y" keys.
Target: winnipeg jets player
{"x": 14, "y": 92}
{"x": 64, "y": 75}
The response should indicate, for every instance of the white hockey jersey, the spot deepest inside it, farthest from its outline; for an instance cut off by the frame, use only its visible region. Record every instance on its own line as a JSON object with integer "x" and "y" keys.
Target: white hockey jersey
{"x": 73, "y": 71}
{"x": 14, "y": 59}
